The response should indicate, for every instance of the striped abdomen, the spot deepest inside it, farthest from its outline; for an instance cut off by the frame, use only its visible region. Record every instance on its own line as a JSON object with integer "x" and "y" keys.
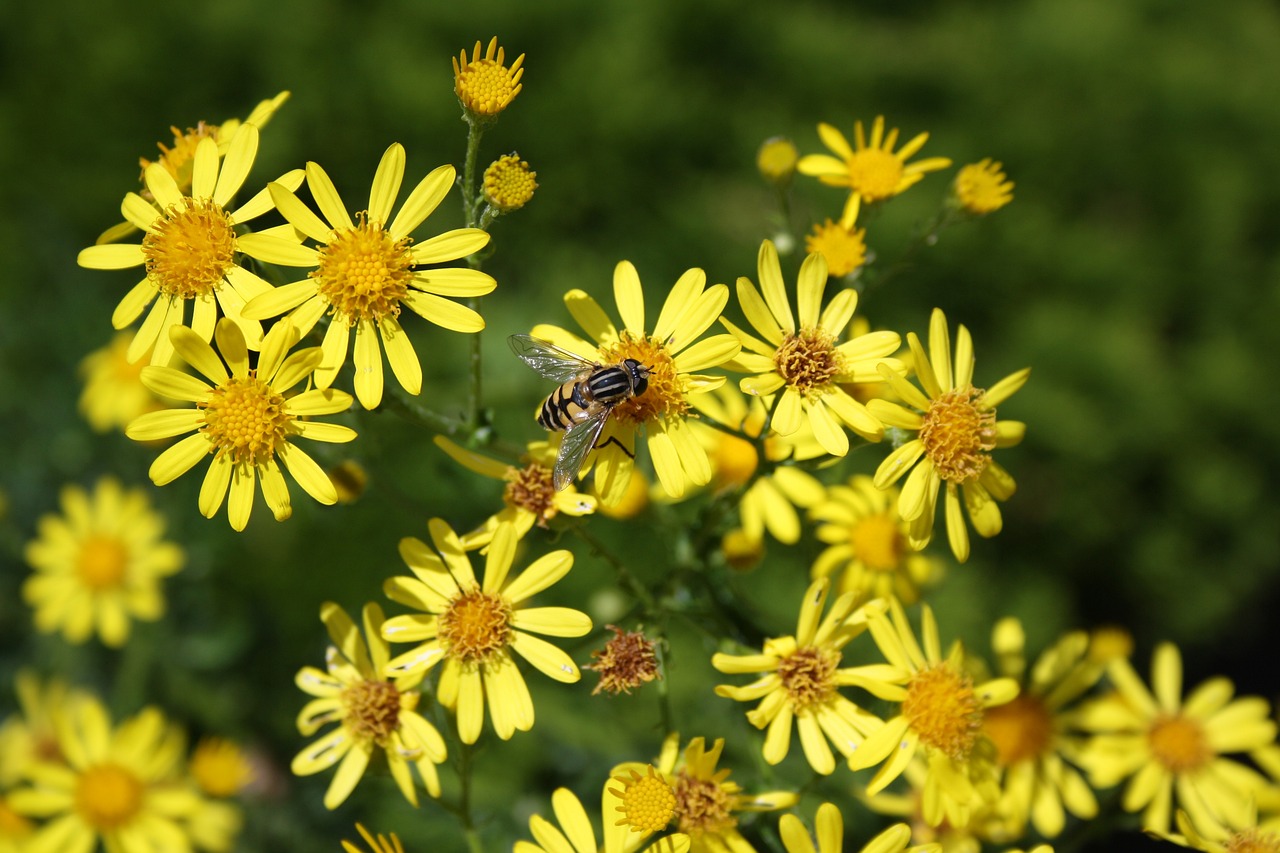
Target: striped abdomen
{"x": 579, "y": 399}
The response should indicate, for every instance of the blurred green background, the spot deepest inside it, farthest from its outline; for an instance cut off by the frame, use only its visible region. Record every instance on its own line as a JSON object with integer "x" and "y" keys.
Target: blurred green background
{"x": 1137, "y": 272}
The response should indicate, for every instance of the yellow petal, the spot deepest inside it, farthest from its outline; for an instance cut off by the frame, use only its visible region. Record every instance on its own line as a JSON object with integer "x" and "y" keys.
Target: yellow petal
{"x": 386, "y": 186}
{"x": 629, "y": 297}
{"x": 424, "y": 199}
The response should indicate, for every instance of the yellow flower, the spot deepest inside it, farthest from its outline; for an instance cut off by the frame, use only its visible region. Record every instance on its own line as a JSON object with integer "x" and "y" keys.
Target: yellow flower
{"x": 803, "y": 362}
{"x": 672, "y": 352}
{"x": 776, "y": 160}
{"x": 367, "y": 269}
{"x": 1163, "y": 743}
{"x": 844, "y": 247}
{"x": 14, "y": 829}
{"x": 374, "y": 712}
{"x": 99, "y": 564}
{"x": 113, "y": 391}
{"x": 118, "y": 786}
{"x": 981, "y": 188}
{"x": 957, "y": 429}
{"x": 220, "y": 767}
{"x": 485, "y": 85}
{"x": 189, "y": 249}
{"x": 473, "y": 626}
{"x": 621, "y": 835}
{"x": 529, "y": 495}
{"x": 830, "y": 836}
{"x": 872, "y": 169}
{"x": 941, "y": 713}
{"x": 1212, "y": 837}
{"x": 31, "y": 736}
{"x": 800, "y": 680}
{"x": 379, "y": 844}
{"x": 509, "y": 183}
{"x": 244, "y": 419}
{"x": 867, "y": 537}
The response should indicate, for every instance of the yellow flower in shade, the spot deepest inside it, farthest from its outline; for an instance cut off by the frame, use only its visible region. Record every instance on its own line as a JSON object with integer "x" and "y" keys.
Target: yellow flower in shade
{"x": 473, "y": 626}
{"x": 802, "y": 362}
{"x": 1032, "y": 734}
{"x": 378, "y": 844}
{"x": 957, "y": 430}
{"x": 870, "y": 168}
{"x": 375, "y": 713}
{"x": 673, "y": 353}
{"x": 776, "y": 160}
{"x": 1213, "y": 837}
{"x": 529, "y": 496}
{"x": 1167, "y": 745}
{"x": 509, "y": 183}
{"x": 367, "y": 269}
{"x": 116, "y": 786}
{"x": 799, "y": 681}
{"x": 113, "y": 391}
{"x": 830, "y": 836}
{"x": 220, "y": 767}
{"x": 982, "y": 188}
{"x": 485, "y": 86}
{"x": 99, "y": 564}
{"x": 244, "y": 419}
{"x": 629, "y": 809}
{"x": 31, "y": 735}
{"x": 215, "y": 825}
{"x": 189, "y": 248}
{"x": 940, "y": 714}
{"x": 868, "y": 539}
{"x": 844, "y": 246}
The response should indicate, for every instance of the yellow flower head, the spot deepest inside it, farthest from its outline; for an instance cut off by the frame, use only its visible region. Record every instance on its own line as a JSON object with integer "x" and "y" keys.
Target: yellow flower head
{"x": 957, "y": 430}
{"x": 366, "y": 269}
{"x": 99, "y": 564}
{"x": 982, "y": 188}
{"x": 509, "y": 183}
{"x": 830, "y": 836}
{"x": 473, "y": 626}
{"x": 30, "y": 737}
{"x": 245, "y": 419}
{"x": 377, "y": 844}
{"x": 113, "y": 391}
{"x": 375, "y": 713}
{"x": 844, "y": 246}
{"x": 870, "y": 168}
{"x": 630, "y": 807}
{"x": 220, "y": 767}
{"x": 485, "y": 85}
{"x": 777, "y": 159}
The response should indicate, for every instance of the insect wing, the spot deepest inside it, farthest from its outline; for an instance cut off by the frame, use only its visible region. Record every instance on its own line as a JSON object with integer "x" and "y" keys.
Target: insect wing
{"x": 548, "y": 360}
{"x": 575, "y": 446}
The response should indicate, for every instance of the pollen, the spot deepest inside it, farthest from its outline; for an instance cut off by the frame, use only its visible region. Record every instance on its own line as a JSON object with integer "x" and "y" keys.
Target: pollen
{"x": 179, "y": 161}
{"x": 959, "y": 434}
{"x": 1179, "y": 744}
{"x": 844, "y": 248}
{"x": 372, "y": 709}
{"x": 1252, "y": 841}
{"x": 628, "y": 660}
{"x": 648, "y": 803}
{"x": 220, "y": 768}
{"x": 363, "y": 272}
{"x": 808, "y": 360}
{"x": 476, "y": 625}
{"x": 982, "y": 188}
{"x": 246, "y": 418}
{"x": 665, "y": 395}
{"x": 103, "y": 562}
{"x": 877, "y": 540}
{"x": 509, "y": 183}
{"x": 1022, "y": 730}
{"x": 943, "y": 709}
{"x": 532, "y": 489}
{"x": 484, "y": 85}
{"x": 108, "y": 796}
{"x": 874, "y": 173}
{"x": 190, "y": 248}
{"x": 809, "y": 676}
{"x": 704, "y": 805}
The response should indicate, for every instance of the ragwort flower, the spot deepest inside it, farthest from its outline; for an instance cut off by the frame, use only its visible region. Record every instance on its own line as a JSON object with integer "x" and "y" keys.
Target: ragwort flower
{"x": 843, "y": 245}
{"x": 872, "y": 169}
{"x": 485, "y": 86}
{"x": 113, "y": 391}
{"x": 623, "y": 833}
{"x": 981, "y": 188}
{"x": 377, "y": 844}
{"x": 830, "y": 836}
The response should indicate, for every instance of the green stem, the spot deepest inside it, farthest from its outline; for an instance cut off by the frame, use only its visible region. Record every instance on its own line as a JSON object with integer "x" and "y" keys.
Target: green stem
{"x": 926, "y": 236}
{"x": 648, "y": 606}
{"x": 471, "y": 205}
{"x": 465, "y": 756}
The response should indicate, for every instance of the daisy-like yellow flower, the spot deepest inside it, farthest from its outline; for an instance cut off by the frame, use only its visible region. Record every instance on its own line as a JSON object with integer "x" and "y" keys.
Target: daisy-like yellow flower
{"x": 981, "y": 188}
{"x": 673, "y": 354}
{"x": 1213, "y": 837}
{"x": 374, "y": 712}
{"x": 486, "y": 86}
{"x": 31, "y": 735}
{"x": 870, "y": 168}
{"x": 830, "y": 836}
{"x": 473, "y": 626}
{"x": 957, "y": 430}
{"x": 941, "y": 713}
{"x": 844, "y": 246}
{"x": 629, "y": 808}
{"x": 1171, "y": 747}
{"x": 113, "y": 392}
{"x": 220, "y": 767}
{"x": 367, "y": 269}
{"x": 869, "y": 541}
{"x": 117, "y": 785}
{"x": 99, "y": 564}
{"x": 800, "y": 680}
{"x": 244, "y": 419}
{"x": 377, "y": 844}
{"x": 802, "y": 362}
{"x": 776, "y": 160}
{"x": 530, "y": 496}
{"x": 189, "y": 249}
{"x": 509, "y": 183}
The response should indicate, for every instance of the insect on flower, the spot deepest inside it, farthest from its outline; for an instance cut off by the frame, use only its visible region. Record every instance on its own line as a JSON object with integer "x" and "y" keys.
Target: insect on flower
{"x": 580, "y": 407}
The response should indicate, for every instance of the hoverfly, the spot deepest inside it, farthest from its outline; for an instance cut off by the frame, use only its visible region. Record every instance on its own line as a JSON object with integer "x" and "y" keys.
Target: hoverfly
{"x": 580, "y": 407}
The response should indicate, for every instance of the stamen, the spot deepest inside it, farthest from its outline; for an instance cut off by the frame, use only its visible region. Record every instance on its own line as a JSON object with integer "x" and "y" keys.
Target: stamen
{"x": 648, "y": 803}
{"x": 372, "y": 709}
{"x": 942, "y": 708}
{"x": 190, "y": 249}
{"x": 808, "y": 360}
{"x": 246, "y": 418}
{"x": 532, "y": 488}
{"x": 809, "y": 675}
{"x": 959, "y": 434}
{"x": 363, "y": 273}
{"x": 665, "y": 395}
{"x": 475, "y": 626}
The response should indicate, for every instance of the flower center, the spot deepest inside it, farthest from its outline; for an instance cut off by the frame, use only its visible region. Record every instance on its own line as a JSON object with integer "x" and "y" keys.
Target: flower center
{"x": 648, "y": 803}
{"x": 1021, "y": 730}
{"x": 943, "y": 710}
{"x": 959, "y": 434}
{"x": 220, "y": 768}
{"x": 809, "y": 675}
{"x": 179, "y": 161}
{"x": 1252, "y": 841}
{"x": 372, "y": 709}
{"x": 1179, "y": 744}
{"x": 246, "y": 418}
{"x": 808, "y": 360}
{"x": 845, "y": 249}
{"x": 103, "y": 562}
{"x": 877, "y": 541}
{"x": 509, "y": 183}
{"x": 665, "y": 395}
{"x": 874, "y": 173}
{"x": 703, "y": 805}
{"x": 628, "y": 660}
{"x": 476, "y": 625}
{"x": 190, "y": 249}
{"x": 364, "y": 273}
{"x": 532, "y": 489}
{"x": 107, "y": 796}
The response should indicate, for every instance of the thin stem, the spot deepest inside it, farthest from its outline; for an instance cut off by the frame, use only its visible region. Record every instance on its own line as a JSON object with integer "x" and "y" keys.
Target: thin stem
{"x": 472, "y": 210}
{"x": 926, "y": 236}
{"x": 465, "y": 756}
{"x": 649, "y": 607}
